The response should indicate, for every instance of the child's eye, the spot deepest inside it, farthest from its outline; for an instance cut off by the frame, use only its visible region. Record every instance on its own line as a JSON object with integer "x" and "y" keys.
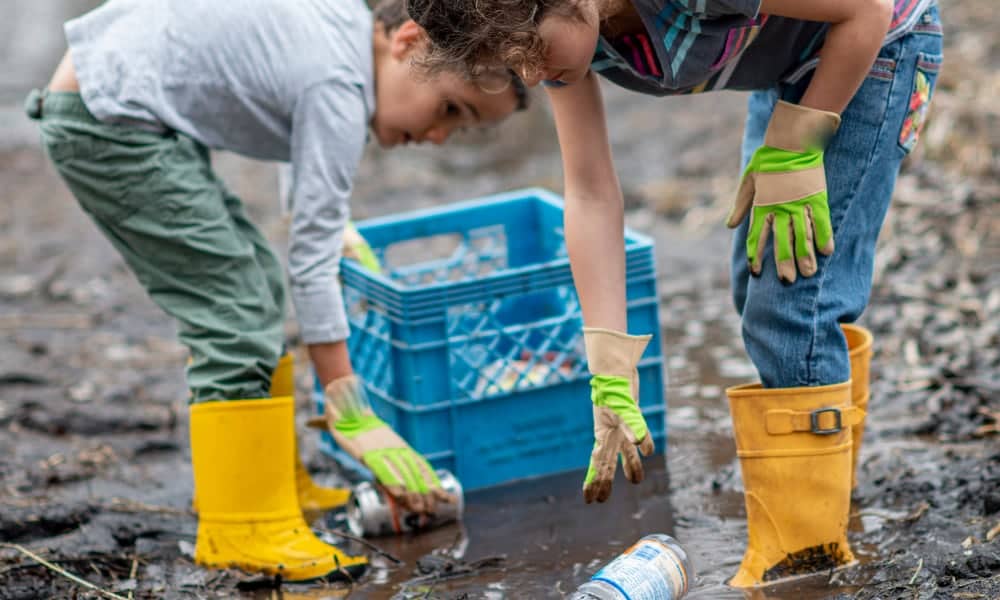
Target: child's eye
{"x": 451, "y": 109}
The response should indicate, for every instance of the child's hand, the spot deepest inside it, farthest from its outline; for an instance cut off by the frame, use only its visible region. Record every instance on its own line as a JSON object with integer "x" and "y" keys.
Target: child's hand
{"x": 397, "y": 467}
{"x": 619, "y": 428}
{"x": 784, "y": 190}
{"x": 356, "y": 247}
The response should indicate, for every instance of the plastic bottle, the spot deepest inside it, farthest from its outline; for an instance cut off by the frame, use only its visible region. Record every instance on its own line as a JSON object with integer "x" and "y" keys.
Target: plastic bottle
{"x": 655, "y": 568}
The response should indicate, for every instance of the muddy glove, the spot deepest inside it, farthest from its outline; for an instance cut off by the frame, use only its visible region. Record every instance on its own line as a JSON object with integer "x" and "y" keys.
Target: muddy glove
{"x": 356, "y": 247}
{"x": 784, "y": 190}
{"x": 404, "y": 473}
{"x": 619, "y": 428}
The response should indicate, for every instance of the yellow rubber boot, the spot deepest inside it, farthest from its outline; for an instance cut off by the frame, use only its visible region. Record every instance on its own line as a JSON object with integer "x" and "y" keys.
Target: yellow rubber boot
{"x": 859, "y": 349}
{"x": 794, "y": 446}
{"x": 312, "y": 498}
{"x": 243, "y": 454}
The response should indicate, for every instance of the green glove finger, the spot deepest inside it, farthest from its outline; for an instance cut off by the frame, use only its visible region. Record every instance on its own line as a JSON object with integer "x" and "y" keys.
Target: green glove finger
{"x": 758, "y": 221}
{"x": 413, "y": 467}
{"x": 782, "y": 233}
{"x": 820, "y": 207}
{"x": 615, "y": 393}
{"x": 591, "y": 471}
{"x": 367, "y": 258}
{"x": 601, "y": 472}
{"x": 424, "y": 468}
{"x": 357, "y": 247}
{"x": 631, "y": 463}
{"x": 410, "y": 479}
{"x": 377, "y": 461}
{"x": 797, "y": 214}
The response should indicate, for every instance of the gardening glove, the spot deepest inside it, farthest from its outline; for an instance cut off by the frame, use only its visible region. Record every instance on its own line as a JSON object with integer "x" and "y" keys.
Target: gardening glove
{"x": 618, "y": 424}
{"x": 404, "y": 473}
{"x": 784, "y": 189}
{"x": 356, "y": 247}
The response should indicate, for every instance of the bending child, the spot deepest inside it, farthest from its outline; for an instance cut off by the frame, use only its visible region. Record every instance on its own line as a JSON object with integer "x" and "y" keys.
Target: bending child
{"x": 146, "y": 88}
{"x": 840, "y": 91}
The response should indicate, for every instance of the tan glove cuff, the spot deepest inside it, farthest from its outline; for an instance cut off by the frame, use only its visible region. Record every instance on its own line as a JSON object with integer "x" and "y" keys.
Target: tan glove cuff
{"x": 798, "y": 128}
{"x": 612, "y": 352}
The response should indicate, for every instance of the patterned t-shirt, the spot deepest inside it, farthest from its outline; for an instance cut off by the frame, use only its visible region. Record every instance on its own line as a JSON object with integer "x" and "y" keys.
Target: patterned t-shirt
{"x": 693, "y": 46}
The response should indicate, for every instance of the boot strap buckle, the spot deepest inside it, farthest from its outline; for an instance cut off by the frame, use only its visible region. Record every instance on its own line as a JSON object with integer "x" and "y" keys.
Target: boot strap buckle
{"x": 838, "y": 423}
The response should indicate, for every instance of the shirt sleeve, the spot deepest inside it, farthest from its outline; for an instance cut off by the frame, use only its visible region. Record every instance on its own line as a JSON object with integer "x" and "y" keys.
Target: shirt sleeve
{"x": 329, "y": 128}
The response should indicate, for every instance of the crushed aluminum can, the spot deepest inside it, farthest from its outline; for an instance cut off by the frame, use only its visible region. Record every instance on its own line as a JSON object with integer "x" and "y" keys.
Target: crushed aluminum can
{"x": 372, "y": 513}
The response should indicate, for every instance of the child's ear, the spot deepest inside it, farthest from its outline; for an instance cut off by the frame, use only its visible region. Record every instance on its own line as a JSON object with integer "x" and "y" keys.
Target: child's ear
{"x": 405, "y": 39}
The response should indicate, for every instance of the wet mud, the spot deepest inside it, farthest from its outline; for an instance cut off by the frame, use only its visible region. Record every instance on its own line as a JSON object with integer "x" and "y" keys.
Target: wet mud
{"x": 94, "y": 464}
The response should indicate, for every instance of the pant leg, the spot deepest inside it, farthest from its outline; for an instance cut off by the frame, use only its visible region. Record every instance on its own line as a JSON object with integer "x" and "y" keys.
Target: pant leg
{"x": 792, "y": 332}
{"x": 264, "y": 254}
{"x": 157, "y": 200}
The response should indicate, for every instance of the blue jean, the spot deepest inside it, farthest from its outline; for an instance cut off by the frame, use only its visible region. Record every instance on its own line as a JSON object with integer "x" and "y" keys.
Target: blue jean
{"x": 792, "y": 332}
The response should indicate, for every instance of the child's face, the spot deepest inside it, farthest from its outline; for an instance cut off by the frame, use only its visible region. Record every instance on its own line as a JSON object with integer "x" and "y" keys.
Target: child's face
{"x": 413, "y": 108}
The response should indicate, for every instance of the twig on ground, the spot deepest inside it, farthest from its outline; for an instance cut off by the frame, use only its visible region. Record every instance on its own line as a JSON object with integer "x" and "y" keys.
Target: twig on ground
{"x": 362, "y": 541}
{"x": 456, "y": 569}
{"x": 992, "y": 533}
{"x": 975, "y": 581}
{"x": 47, "y": 321}
{"x": 132, "y": 573}
{"x": 920, "y": 565}
{"x": 61, "y": 571}
{"x": 131, "y": 506}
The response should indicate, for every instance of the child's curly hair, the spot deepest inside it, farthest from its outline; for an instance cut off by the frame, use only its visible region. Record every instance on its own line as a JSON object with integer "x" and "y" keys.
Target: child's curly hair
{"x": 470, "y": 36}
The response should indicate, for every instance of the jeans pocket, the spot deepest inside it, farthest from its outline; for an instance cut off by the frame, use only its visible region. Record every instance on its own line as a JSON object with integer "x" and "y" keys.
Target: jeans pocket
{"x": 924, "y": 79}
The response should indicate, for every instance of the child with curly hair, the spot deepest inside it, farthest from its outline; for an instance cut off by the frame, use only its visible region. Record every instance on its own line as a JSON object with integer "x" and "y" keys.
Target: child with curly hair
{"x": 840, "y": 89}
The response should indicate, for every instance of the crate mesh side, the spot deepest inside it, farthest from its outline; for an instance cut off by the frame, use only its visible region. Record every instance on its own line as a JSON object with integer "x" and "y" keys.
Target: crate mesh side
{"x": 369, "y": 343}
{"x": 515, "y": 343}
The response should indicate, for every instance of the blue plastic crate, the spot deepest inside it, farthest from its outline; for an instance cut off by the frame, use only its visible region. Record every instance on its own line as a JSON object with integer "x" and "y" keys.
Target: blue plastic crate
{"x": 470, "y": 341}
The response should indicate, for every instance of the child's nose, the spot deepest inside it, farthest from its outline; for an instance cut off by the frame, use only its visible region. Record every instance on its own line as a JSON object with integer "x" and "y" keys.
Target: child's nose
{"x": 437, "y": 135}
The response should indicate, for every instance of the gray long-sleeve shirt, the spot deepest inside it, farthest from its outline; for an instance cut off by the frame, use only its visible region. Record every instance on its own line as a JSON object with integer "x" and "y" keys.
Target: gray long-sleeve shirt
{"x": 283, "y": 80}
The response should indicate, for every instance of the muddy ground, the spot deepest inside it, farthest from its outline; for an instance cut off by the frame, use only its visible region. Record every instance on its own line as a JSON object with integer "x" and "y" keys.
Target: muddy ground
{"x": 94, "y": 474}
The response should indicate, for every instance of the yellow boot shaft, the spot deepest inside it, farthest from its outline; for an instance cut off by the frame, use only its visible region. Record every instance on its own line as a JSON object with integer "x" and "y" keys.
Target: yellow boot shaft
{"x": 243, "y": 456}
{"x": 312, "y": 498}
{"x": 794, "y": 446}
{"x": 859, "y": 350}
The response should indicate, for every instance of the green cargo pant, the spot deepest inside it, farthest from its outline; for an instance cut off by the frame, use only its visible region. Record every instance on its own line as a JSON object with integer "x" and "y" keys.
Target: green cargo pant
{"x": 186, "y": 238}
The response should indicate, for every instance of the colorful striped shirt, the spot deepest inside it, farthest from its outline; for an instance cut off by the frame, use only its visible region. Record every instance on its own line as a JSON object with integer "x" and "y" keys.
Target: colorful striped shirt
{"x": 693, "y": 46}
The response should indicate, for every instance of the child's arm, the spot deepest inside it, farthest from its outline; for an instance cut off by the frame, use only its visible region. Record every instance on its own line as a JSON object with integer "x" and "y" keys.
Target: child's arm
{"x": 595, "y": 239}
{"x": 594, "y": 213}
{"x": 329, "y": 128}
{"x": 784, "y": 186}
{"x": 857, "y": 30}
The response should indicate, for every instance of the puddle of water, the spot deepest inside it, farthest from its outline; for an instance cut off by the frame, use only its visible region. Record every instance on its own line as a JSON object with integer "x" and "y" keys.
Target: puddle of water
{"x": 552, "y": 540}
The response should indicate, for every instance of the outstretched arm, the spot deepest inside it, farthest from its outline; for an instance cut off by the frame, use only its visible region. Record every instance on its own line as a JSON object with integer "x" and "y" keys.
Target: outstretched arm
{"x": 594, "y": 214}
{"x": 595, "y": 239}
